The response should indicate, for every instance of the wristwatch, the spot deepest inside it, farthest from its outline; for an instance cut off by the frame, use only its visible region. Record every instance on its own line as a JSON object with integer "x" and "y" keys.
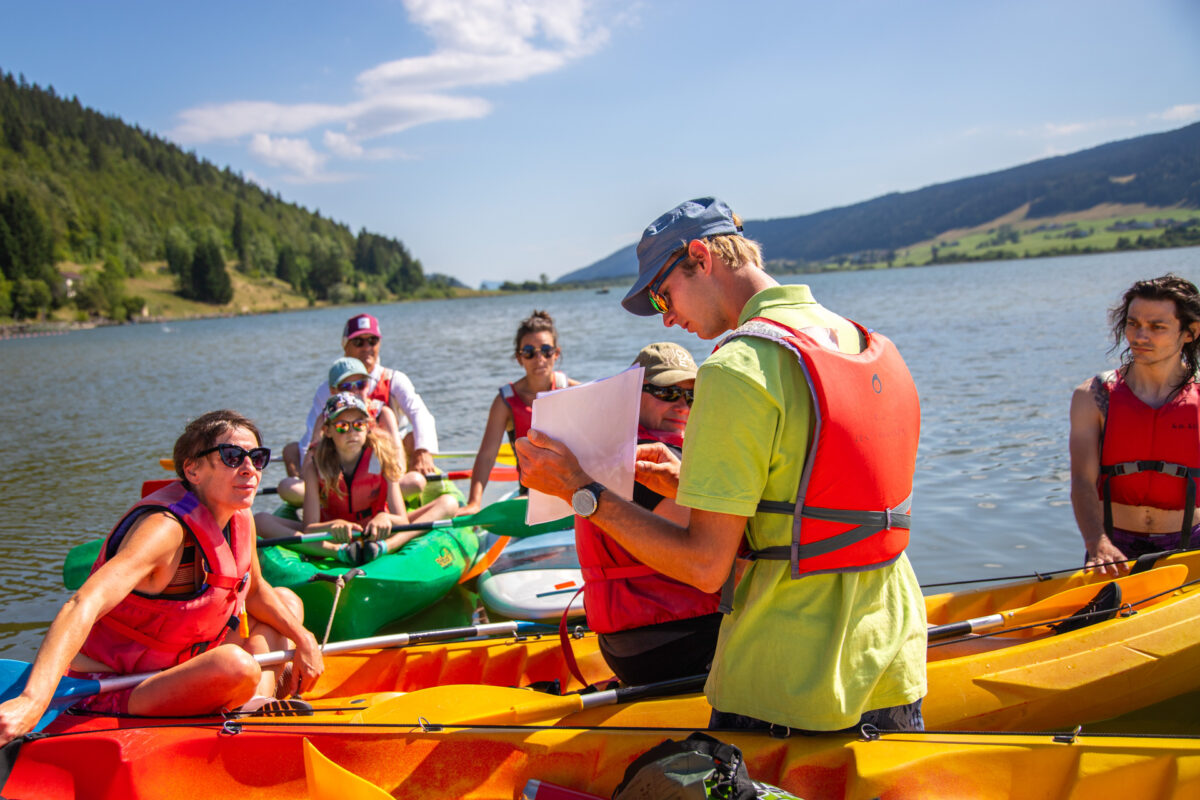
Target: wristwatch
{"x": 587, "y": 498}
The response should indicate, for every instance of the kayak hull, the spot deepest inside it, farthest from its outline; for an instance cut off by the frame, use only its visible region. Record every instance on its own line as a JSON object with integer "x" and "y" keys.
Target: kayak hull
{"x": 391, "y": 587}
{"x": 265, "y": 760}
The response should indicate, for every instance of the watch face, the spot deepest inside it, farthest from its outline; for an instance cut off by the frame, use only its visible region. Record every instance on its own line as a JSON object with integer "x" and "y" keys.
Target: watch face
{"x": 583, "y": 502}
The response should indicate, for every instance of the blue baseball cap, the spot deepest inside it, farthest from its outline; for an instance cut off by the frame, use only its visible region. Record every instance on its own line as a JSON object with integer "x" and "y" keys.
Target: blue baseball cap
{"x": 694, "y": 219}
{"x": 344, "y": 368}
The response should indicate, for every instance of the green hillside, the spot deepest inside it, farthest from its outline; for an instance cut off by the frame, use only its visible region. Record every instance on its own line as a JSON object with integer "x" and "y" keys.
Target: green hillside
{"x": 81, "y": 188}
{"x": 1112, "y": 196}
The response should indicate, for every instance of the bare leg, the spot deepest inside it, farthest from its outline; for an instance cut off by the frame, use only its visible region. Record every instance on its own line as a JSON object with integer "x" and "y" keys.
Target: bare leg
{"x": 263, "y": 639}
{"x": 441, "y": 507}
{"x": 224, "y": 677}
{"x": 270, "y": 526}
{"x": 291, "y": 459}
{"x": 291, "y": 491}
{"x": 411, "y": 485}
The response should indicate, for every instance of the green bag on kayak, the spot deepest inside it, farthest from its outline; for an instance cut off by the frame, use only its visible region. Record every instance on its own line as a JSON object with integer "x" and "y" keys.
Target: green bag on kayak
{"x": 698, "y": 768}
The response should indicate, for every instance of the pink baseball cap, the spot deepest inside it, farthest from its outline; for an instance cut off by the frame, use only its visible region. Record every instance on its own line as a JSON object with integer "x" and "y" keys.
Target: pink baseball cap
{"x": 361, "y": 325}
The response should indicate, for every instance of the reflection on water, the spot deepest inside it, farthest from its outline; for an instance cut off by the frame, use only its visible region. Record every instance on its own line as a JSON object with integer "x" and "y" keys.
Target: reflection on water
{"x": 995, "y": 350}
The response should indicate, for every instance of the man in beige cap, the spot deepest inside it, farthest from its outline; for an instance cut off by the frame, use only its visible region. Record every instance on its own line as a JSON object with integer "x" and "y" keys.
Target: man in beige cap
{"x": 651, "y": 627}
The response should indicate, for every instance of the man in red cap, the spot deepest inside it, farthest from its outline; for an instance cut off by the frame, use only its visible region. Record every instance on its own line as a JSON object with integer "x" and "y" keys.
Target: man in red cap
{"x": 360, "y": 339}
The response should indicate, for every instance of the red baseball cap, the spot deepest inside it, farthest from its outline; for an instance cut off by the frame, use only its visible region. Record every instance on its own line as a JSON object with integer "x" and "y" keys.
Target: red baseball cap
{"x": 361, "y": 325}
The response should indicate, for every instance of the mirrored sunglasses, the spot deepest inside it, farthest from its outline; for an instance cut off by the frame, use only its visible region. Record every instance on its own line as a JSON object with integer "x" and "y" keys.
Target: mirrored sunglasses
{"x": 657, "y": 301}
{"x": 232, "y": 456}
{"x": 545, "y": 351}
{"x": 352, "y": 386}
{"x": 669, "y": 394}
{"x": 342, "y": 426}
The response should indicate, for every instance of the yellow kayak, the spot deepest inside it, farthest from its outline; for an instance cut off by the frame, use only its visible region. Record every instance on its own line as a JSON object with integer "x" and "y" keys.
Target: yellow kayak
{"x": 267, "y": 760}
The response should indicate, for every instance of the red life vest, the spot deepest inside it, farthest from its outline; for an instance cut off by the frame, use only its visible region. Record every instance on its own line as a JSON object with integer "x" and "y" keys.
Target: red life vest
{"x": 522, "y": 413}
{"x": 620, "y": 592}
{"x": 852, "y": 507}
{"x": 364, "y": 498}
{"x": 383, "y": 389}
{"x": 1150, "y": 456}
{"x": 143, "y": 633}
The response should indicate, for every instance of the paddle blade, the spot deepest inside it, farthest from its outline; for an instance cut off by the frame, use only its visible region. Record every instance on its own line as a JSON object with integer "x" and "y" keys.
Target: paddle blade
{"x": 1134, "y": 589}
{"x": 78, "y": 563}
{"x": 507, "y": 518}
{"x": 329, "y": 781}
{"x": 15, "y": 674}
{"x": 471, "y": 703}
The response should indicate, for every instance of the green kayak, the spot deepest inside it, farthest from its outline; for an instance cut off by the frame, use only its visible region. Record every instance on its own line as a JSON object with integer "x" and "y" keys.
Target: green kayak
{"x": 391, "y": 588}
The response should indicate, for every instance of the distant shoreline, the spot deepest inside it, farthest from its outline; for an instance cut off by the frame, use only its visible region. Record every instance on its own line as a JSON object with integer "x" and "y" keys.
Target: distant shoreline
{"x": 31, "y": 329}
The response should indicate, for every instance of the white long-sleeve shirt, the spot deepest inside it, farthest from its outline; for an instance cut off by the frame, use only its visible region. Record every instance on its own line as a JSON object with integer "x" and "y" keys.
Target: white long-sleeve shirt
{"x": 409, "y": 407}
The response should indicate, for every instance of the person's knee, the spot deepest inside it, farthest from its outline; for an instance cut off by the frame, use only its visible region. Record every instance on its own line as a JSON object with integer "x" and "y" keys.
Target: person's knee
{"x": 291, "y": 491}
{"x": 291, "y": 459}
{"x": 235, "y": 669}
{"x": 291, "y": 600}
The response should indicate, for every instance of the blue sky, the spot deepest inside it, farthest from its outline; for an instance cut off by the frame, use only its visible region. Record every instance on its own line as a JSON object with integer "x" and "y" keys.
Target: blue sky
{"x": 507, "y": 139}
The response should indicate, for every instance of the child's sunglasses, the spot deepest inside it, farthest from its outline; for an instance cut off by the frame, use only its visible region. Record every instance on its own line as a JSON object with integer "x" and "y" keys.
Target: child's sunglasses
{"x": 232, "y": 456}
{"x": 545, "y": 351}
{"x": 342, "y": 426}
{"x": 352, "y": 386}
{"x": 669, "y": 394}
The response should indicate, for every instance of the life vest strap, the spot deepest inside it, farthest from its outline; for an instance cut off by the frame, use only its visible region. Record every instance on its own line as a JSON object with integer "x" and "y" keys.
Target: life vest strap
{"x": 1164, "y": 467}
{"x": 869, "y": 523}
{"x": 1189, "y": 474}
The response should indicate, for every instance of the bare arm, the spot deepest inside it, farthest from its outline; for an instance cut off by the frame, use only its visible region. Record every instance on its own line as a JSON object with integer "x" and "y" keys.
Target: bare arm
{"x": 148, "y": 555}
{"x": 493, "y": 435}
{"x": 700, "y": 553}
{"x": 1086, "y": 427}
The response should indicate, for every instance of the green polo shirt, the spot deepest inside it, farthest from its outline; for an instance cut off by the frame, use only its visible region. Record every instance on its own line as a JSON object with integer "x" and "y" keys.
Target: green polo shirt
{"x": 813, "y": 653}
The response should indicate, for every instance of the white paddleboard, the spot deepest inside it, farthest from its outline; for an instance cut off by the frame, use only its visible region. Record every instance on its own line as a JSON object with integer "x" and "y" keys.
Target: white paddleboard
{"x": 534, "y": 579}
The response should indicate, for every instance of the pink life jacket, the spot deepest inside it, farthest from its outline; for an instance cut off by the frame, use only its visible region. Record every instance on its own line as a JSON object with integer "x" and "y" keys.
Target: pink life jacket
{"x": 143, "y": 632}
{"x": 620, "y": 592}
{"x": 522, "y": 414}
{"x": 365, "y": 497}
{"x": 1150, "y": 456}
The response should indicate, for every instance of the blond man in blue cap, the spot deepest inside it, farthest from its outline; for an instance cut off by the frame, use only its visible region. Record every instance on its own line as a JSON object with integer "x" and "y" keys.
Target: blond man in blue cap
{"x": 801, "y": 444}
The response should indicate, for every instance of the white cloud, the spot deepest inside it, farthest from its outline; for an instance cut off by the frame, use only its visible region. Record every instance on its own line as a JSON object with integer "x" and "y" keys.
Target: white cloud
{"x": 296, "y": 155}
{"x": 477, "y": 43}
{"x": 1181, "y": 113}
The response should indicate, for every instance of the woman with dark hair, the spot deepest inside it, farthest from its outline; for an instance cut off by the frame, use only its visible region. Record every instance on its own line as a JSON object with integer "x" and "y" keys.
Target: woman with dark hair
{"x": 1135, "y": 431}
{"x": 536, "y": 350}
{"x": 177, "y": 588}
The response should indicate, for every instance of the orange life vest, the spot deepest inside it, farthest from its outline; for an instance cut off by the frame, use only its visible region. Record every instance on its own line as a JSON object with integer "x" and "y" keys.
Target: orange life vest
{"x": 852, "y": 506}
{"x": 144, "y": 632}
{"x": 1150, "y": 456}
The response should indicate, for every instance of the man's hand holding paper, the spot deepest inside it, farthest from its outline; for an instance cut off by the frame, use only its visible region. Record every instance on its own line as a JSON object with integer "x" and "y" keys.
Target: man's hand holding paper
{"x": 590, "y": 435}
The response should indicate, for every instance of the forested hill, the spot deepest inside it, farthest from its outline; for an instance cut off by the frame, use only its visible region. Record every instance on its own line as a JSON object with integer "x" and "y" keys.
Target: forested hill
{"x": 1159, "y": 170}
{"x": 79, "y": 186}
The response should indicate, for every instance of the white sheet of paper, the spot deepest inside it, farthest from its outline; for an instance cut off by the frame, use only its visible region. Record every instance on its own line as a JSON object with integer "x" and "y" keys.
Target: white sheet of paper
{"x": 598, "y": 421}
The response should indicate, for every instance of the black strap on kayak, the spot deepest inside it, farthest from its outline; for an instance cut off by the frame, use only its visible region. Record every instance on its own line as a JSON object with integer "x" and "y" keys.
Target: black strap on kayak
{"x": 1104, "y": 605}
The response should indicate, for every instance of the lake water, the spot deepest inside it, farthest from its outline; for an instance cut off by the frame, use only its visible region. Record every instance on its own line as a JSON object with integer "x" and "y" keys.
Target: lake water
{"x": 995, "y": 350}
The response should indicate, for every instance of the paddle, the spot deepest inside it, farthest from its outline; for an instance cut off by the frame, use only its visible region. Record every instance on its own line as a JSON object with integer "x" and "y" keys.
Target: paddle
{"x": 502, "y": 472}
{"x": 504, "y": 518}
{"x": 1134, "y": 589}
{"x": 476, "y": 704}
{"x": 14, "y": 674}
{"x": 504, "y": 456}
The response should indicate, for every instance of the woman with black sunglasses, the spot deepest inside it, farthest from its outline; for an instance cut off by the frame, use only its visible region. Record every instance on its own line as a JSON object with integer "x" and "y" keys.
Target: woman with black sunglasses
{"x": 537, "y": 351}
{"x": 177, "y": 588}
